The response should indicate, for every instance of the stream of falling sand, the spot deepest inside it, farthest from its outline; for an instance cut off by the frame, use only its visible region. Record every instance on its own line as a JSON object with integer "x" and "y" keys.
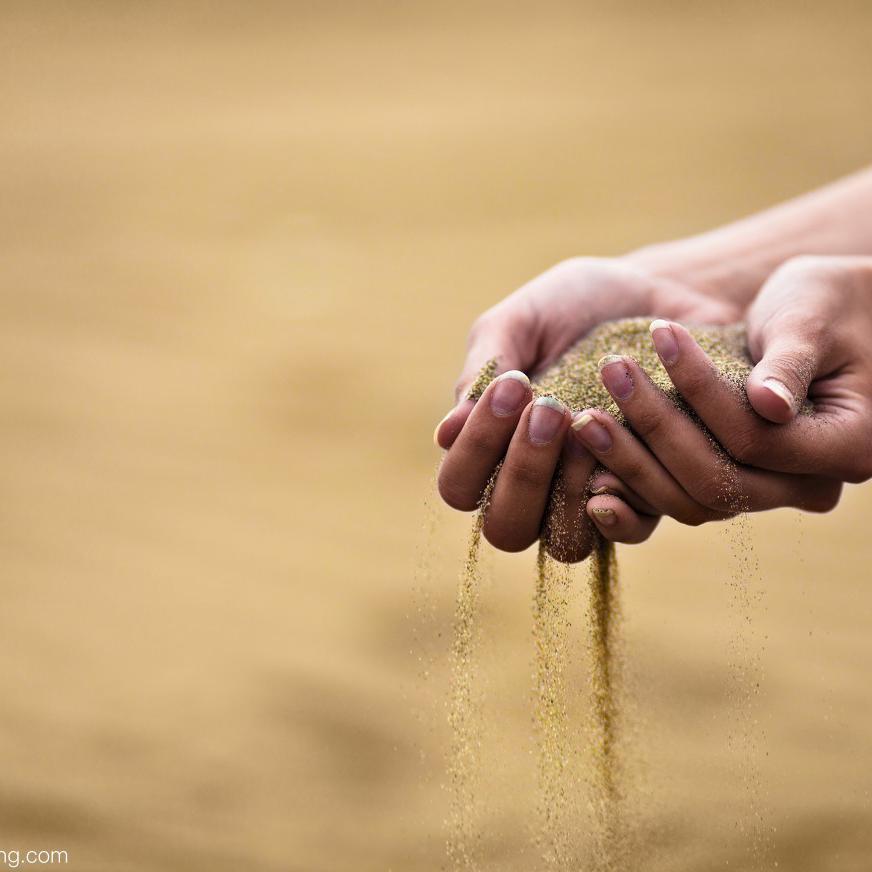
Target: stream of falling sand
{"x": 557, "y": 784}
{"x": 464, "y": 707}
{"x": 551, "y": 624}
{"x": 559, "y": 808}
{"x": 574, "y": 380}
{"x": 603, "y": 618}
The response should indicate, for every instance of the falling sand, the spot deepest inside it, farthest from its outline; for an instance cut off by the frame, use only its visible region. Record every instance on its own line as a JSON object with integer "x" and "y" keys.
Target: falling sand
{"x": 551, "y": 625}
{"x": 464, "y": 714}
{"x": 575, "y": 381}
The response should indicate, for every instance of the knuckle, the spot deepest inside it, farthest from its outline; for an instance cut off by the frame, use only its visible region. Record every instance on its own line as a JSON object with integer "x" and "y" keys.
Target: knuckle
{"x": 525, "y": 474}
{"x": 577, "y": 271}
{"x": 808, "y": 272}
{"x": 480, "y": 325}
{"x": 631, "y": 470}
{"x": 695, "y": 383}
{"x": 712, "y": 491}
{"x": 826, "y": 497}
{"x": 482, "y": 442}
{"x": 805, "y": 266}
{"x": 861, "y": 469}
{"x": 800, "y": 341}
{"x": 648, "y": 423}
{"x": 503, "y": 318}
{"x": 742, "y": 444}
{"x": 571, "y": 266}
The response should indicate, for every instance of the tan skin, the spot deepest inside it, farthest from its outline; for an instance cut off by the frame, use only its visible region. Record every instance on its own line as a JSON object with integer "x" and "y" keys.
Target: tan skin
{"x": 528, "y": 331}
{"x": 809, "y": 321}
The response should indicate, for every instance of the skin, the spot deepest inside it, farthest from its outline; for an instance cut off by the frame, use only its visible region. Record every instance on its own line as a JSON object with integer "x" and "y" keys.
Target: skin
{"x": 810, "y": 328}
{"x": 528, "y": 331}
{"x": 807, "y": 321}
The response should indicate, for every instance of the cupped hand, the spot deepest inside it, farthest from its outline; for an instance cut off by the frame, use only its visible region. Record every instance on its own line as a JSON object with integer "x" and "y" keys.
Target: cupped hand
{"x": 532, "y": 327}
{"x": 809, "y": 332}
{"x": 525, "y": 333}
{"x": 667, "y": 459}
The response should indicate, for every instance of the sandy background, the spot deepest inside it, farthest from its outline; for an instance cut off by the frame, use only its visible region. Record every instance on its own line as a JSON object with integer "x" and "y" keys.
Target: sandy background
{"x": 239, "y": 251}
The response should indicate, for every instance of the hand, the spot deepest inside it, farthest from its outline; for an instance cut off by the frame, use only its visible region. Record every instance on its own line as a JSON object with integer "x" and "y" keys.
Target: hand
{"x": 809, "y": 330}
{"x": 532, "y": 327}
{"x": 527, "y": 332}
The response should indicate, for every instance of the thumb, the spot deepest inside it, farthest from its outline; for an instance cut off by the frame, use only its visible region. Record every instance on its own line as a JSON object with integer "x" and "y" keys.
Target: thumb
{"x": 778, "y": 384}
{"x": 787, "y": 331}
{"x": 493, "y": 349}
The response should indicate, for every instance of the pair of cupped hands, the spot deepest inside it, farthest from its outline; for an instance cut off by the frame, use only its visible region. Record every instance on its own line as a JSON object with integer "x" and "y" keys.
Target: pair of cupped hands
{"x": 809, "y": 331}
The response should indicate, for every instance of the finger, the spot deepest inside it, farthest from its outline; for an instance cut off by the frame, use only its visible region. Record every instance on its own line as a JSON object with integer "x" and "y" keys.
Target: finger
{"x": 517, "y": 505}
{"x": 448, "y": 429}
{"x": 493, "y": 345}
{"x": 568, "y": 532}
{"x": 767, "y": 385}
{"x": 696, "y": 463}
{"x": 616, "y": 447}
{"x": 791, "y": 332}
{"x": 605, "y": 482}
{"x": 618, "y": 522}
{"x": 778, "y": 384}
{"x": 482, "y": 442}
{"x": 822, "y": 444}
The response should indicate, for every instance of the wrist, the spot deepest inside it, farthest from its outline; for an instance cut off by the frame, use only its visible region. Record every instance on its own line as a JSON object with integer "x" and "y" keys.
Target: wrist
{"x": 732, "y": 262}
{"x": 706, "y": 265}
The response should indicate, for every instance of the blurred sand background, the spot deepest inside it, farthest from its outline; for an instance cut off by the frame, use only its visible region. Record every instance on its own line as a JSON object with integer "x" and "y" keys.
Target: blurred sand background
{"x": 240, "y": 249}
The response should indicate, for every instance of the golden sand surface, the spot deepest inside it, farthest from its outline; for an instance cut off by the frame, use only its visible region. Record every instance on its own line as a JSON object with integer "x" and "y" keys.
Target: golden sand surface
{"x": 575, "y": 380}
{"x": 241, "y": 247}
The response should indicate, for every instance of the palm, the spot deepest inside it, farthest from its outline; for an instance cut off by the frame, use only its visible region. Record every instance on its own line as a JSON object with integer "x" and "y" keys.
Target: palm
{"x": 551, "y": 313}
{"x": 532, "y": 327}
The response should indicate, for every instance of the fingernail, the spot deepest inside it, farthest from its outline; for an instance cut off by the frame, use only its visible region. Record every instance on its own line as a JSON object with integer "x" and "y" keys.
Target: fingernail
{"x": 545, "y": 420}
{"x": 780, "y": 390}
{"x": 616, "y": 376}
{"x": 606, "y": 517}
{"x": 509, "y": 393}
{"x": 591, "y": 432}
{"x": 664, "y": 341}
{"x": 599, "y": 491}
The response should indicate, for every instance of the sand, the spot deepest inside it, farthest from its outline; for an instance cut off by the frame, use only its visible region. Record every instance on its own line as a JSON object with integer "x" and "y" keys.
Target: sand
{"x": 464, "y": 716}
{"x": 575, "y": 381}
{"x": 556, "y": 751}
